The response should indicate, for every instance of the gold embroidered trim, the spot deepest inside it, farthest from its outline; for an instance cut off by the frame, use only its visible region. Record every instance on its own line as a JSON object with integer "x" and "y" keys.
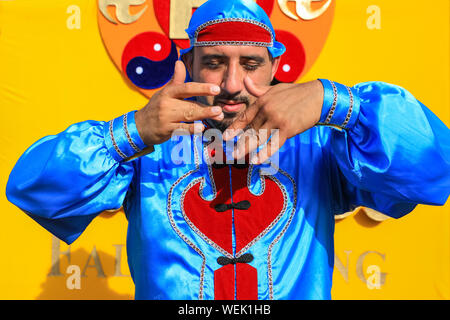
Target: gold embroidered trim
{"x": 116, "y": 147}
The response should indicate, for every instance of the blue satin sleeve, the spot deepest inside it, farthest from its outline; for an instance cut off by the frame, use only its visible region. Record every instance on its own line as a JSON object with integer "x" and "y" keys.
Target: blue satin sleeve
{"x": 388, "y": 151}
{"x": 64, "y": 181}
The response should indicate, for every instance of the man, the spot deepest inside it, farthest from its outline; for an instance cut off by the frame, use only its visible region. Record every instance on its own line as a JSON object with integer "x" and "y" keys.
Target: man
{"x": 204, "y": 229}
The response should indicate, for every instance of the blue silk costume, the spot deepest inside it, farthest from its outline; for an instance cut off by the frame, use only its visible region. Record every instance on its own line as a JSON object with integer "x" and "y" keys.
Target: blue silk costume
{"x": 375, "y": 146}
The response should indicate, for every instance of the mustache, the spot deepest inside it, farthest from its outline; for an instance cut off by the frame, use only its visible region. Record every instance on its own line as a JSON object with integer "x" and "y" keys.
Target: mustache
{"x": 231, "y": 97}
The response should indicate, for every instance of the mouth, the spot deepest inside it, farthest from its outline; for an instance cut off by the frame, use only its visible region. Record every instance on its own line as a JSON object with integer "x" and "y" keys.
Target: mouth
{"x": 231, "y": 106}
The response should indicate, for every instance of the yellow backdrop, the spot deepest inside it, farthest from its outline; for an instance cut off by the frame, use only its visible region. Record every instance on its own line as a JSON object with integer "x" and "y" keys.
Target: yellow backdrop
{"x": 54, "y": 71}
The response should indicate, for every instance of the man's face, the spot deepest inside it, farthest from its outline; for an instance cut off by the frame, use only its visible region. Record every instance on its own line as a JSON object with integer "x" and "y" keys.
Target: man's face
{"x": 227, "y": 66}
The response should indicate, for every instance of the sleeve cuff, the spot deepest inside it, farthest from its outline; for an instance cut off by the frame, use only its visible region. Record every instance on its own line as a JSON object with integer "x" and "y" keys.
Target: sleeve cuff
{"x": 122, "y": 138}
{"x": 340, "y": 105}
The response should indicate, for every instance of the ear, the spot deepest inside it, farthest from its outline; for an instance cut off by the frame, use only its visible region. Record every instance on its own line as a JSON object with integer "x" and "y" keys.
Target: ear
{"x": 188, "y": 62}
{"x": 275, "y": 65}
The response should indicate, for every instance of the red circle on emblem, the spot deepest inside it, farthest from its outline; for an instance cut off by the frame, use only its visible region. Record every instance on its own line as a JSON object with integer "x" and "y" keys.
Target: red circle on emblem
{"x": 152, "y": 45}
{"x": 267, "y": 5}
{"x": 292, "y": 62}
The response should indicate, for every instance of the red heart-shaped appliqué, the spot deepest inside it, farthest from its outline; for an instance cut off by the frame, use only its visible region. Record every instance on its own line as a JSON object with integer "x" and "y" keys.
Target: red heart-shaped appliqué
{"x": 245, "y": 225}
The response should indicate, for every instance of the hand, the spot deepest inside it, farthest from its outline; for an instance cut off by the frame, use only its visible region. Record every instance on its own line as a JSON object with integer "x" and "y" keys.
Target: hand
{"x": 287, "y": 108}
{"x": 166, "y": 110}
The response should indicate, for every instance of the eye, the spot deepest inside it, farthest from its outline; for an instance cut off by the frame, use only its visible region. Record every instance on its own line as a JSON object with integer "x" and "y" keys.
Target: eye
{"x": 251, "y": 66}
{"x": 149, "y": 59}
{"x": 212, "y": 65}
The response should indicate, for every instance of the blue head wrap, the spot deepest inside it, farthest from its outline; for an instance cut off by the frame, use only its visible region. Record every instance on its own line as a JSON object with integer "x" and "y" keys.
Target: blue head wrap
{"x": 232, "y": 10}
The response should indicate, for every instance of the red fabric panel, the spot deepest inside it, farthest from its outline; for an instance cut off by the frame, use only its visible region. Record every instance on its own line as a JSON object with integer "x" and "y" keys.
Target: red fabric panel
{"x": 217, "y": 226}
{"x": 263, "y": 209}
{"x": 224, "y": 283}
{"x": 246, "y": 282}
{"x": 249, "y": 223}
{"x": 234, "y": 31}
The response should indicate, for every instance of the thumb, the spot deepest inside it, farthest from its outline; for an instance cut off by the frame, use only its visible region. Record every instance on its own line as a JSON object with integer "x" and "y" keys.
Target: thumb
{"x": 179, "y": 74}
{"x": 254, "y": 90}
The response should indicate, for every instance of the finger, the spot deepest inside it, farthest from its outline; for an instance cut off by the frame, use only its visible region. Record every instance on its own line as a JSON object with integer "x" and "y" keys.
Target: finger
{"x": 253, "y": 89}
{"x": 186, "y": 128}
{"x": 188, "y": 111}
{"x": 192, "y": 89}
{"x": 275, "y": 143}
{"x": 252, "y": 139}
{"x": 179, "y": 74}
{"x": 253, "y": 128}
{"x": 247, "y": 141}
{"x": 241, "y": 122}
{"x": 220, "y": 117}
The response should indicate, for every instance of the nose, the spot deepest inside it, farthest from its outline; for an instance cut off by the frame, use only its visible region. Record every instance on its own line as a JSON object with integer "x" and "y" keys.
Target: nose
{"x": 233, "y": 79}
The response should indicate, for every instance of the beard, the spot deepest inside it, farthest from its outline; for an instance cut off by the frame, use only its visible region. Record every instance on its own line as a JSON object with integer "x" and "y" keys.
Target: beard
{"x": 229, "y": 117}
{"x": 226, "y": 122}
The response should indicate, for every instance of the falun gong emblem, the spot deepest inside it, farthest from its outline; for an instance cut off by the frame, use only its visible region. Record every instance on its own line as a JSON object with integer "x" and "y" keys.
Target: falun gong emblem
{"x": 143, "y": 37}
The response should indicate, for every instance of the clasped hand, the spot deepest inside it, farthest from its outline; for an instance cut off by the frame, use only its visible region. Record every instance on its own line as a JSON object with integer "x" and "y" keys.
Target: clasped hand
{"x": 279, "y": 112}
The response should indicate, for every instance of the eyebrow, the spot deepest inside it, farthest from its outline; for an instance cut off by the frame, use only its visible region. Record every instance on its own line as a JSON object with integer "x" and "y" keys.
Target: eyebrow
{"x": 208, "y": 57}
{"x": 255, "y": 58}
{"x": 212, "y": 56}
